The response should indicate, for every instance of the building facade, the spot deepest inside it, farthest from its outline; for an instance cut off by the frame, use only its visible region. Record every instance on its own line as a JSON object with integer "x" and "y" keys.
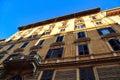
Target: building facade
{"x": 80, "y": 46}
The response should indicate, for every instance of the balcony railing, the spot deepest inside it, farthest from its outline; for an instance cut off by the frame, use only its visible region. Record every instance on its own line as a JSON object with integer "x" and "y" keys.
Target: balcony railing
{"x": 22, "y": 62}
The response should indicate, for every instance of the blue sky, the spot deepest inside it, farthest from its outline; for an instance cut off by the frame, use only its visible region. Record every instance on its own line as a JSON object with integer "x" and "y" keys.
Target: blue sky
{"x": 16, "y": 13}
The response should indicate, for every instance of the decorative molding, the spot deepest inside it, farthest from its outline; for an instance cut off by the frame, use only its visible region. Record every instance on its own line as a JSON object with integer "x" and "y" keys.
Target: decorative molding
{"x": 57, "y": 44}
{"x": 110, "y": 35}
{"x": 82, "y": 40}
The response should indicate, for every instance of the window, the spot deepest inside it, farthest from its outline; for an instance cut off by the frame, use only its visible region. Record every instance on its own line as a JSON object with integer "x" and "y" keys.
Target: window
{"x": 62, "y": 29}
{"x": 64, "y": 23}
{"x": 20, "y": 38}
{"x": 79, "y": 20}
{"x": 34, "y": 36}
{"x": 98, "y": 22}
{"x": 32, "y": 53}
{"x": 104, "y": 31}
{"x": 14, "y": 56}
{"x": 1, "y": 47}
{"x": 45, "y": 33}
{"x": 54, "y": 53}
{"x": 10, "y": 47}
{"x": 80, "y": 26}
{"x": 83, "y": 49}
{"x": 86, "y": 73}
{"x": 47, "y": 75}
{"x": 51, "y": 26}
{"x": 24, "y": 45}
{"x": 40, "y": 42}
{"x": 9, "y": 41}
{"x": 1, "y": 56}
{"x": 59, "y": 39}
{"x": 30, "y": 37}
{"x": 81, "y": 35}
{"x": 115, "y": 44}
{"x": 94, "y": 17}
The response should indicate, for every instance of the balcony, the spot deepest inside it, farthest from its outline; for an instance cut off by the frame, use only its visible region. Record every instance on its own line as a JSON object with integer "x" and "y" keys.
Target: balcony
{"x": 18, "y": 62}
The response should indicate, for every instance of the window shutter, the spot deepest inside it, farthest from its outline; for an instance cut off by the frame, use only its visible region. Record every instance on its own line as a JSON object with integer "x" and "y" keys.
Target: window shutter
{"x": 109, "y": 72}
{"x": 66, "y": 75}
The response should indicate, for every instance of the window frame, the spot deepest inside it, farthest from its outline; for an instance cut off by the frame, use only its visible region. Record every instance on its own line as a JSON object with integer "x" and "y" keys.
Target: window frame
{"x": 10, "y": 47}
{"x": 24, "y": 44}
{"x": 82, "y": 26}
{"x": 57, "y": 38}
{"x": 117, "y": 44}
{"x": 78, "y": 54}
{"x": 47, "y": 75}
{"x": 42, "y": 42}
{"x": 110, "y": 29}
{"x": 81, "y": 37}
{"x": 51, "y": 53}
{"x": 85, "y": 72}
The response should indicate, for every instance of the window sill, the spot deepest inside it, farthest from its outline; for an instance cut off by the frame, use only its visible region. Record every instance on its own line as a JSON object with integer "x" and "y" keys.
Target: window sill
{"x": 35, "y": 47}
{"x": 82, "y": 40}
{"x": 19, "y": 50}
{"x": 57, "y": 44}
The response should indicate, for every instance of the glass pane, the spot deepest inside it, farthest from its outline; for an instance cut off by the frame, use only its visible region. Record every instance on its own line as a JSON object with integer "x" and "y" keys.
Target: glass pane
{"x": 86, "y": 73}
{"x": 40, "y": 42}
{"x": 47, "y": 75}
{"x": 11, "y": 47}
{"x": 81, "y": 34}
{"x": 105, "y": 31}
{"x": 24, "y": 45}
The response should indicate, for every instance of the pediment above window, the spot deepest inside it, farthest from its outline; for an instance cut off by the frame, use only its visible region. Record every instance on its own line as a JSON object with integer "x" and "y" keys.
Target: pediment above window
{"x": 110, "y": 35}
{"x": 57, "y": 44}
{"x": 82, "y": 40}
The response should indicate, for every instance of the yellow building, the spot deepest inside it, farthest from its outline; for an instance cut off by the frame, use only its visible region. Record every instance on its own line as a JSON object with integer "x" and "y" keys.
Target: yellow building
{"x": 80, "y": 46}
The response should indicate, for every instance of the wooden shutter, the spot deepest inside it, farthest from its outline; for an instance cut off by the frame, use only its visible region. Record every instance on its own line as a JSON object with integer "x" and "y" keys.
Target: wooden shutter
{"x": 65, "y": 75}
{"x": 109, "y": 72}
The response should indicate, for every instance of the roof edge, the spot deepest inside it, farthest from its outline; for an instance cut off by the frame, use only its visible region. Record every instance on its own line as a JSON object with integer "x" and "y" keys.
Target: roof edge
{"x": 65, "y": 17}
